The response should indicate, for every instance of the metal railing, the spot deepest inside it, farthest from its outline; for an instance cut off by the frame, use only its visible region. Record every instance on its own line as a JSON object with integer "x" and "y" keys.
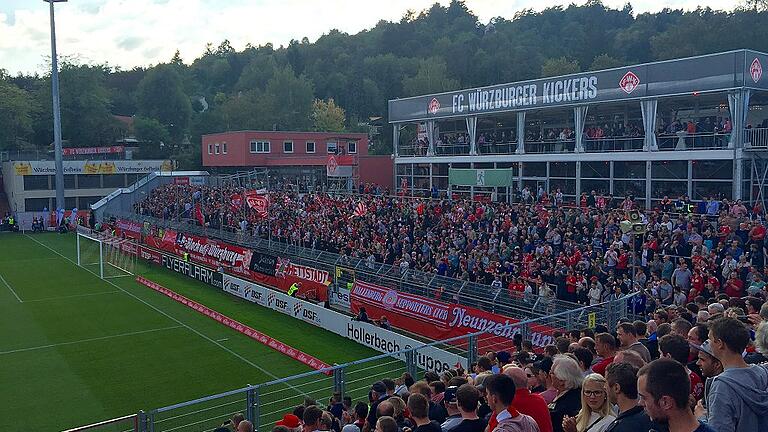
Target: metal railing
{"x": 611, "y": 144}
{"x": 266, "y": 403}
{"x": 129, "y": 423}
{"x": 682, "y": 140}
{"x": 756, "y": 138}
{"x": 486, "y": 297}
{"x": 551, "y": 146}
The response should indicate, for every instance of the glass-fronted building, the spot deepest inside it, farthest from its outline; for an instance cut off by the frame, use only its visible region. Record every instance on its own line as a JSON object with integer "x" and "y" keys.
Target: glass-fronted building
{"x": 696, "y": 126}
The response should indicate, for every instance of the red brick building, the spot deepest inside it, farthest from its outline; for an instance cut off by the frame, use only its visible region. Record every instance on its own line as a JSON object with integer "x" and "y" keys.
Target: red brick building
{"x": 297, "y": 158}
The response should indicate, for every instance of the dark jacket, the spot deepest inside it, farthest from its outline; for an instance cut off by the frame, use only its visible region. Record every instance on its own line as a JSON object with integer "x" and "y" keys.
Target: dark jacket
{"x": 568, "y": 404}
{"x": 631, "y": 420}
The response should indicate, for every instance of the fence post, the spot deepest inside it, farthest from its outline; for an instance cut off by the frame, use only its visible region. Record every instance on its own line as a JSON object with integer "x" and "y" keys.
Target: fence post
{"x": 338, "y": 381}
{"x": 410, "y": 363}
{"x": 249, "y": 403}
{"x": 471, "y": 351}
{"x": 255, "y": 409}
{"x": 151, "y": 422}
{"x": 141, "y": 422}
{"x": 568, "y": 321}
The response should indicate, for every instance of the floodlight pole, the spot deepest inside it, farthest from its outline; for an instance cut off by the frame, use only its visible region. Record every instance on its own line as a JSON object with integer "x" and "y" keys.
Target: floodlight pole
{"x": 56, "y": 111}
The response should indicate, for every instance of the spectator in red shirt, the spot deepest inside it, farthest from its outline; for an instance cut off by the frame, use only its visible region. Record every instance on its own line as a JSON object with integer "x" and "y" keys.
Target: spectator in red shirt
{"x": 527, "y": 402}
{"x": 605, "y": 346}
{"x": 734, "y": 286}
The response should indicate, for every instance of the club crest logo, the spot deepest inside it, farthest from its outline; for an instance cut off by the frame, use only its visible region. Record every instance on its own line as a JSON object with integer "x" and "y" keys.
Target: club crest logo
{"x": 629, "y": 82}
{"x": 390, "y": 299}
{"x": 434, "y": 106}
{"x": 756, "y": 70}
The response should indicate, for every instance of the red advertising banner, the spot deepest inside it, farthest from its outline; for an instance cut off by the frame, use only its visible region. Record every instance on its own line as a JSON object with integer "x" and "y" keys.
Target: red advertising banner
{"x": 238, "y": 260}
{"x": 239, "y": 327}
{"x": 437, "y": 320}
{"x": 128, "y": 228}
{"x": 181, "y": 180}
{"x": 72, "y": 151}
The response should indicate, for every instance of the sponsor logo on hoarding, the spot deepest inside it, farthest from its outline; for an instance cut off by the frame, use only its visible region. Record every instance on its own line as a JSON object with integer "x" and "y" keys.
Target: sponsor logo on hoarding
{"x": 629, "y": 82}
{"x": 756, "y": 70}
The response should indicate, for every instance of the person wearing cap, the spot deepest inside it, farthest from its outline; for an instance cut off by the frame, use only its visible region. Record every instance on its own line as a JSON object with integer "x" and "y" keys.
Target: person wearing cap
{"x": 378, "y": 394}
{"x": 710, "y": 367}
{"x": 291, "y": 422}
{"x": 451, "y": 407}
{"x": 544, "y": 366}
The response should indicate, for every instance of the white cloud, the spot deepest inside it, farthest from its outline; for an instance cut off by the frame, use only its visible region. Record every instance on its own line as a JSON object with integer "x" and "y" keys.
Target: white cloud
{"x": 130, "y": 33}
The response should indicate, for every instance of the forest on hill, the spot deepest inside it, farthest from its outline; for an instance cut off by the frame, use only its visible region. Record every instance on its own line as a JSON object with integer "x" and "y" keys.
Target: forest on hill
{"x": 340, "y": 81}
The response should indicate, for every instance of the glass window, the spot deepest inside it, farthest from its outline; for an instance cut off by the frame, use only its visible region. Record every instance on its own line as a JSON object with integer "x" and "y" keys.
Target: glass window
{"x": 69, "y": 181}
{"x": 671, "y": 189}
{"x": 622, "y": 188}
{"x": 404, "y": 169}
{"x": 113, "y": 180}
{"x": 628, "y": 169}
{"x": 534, "y": 169}
{"x": 440, "y": 169}
{"x": 596, "y": 170}
{"x": 514, "y": 165}
{"x": 210, "y": 148}
{"x": 562, "y": 169}
{"x": 421, "y": 170}
{"x": 216, "y": 148}
{"x": 703, "y": 190}
{"x": 254, "y": 147}
{"x": 88, "y": 181}
{"x": 713, "y": 169}
{"x": 223, "y": 148}
{"x": 332, "y": 147}
{"x": 440, "y": 182}
{"x": 131, "y": 179}
{"x": 70, "y": 202}
{"x": 352, "y": 147}
{"x": 567, "y": 186}
{"x": 599, "y": 186}
{"x": 260, "y": 147}
{"x": 34, "y": 182}
{"x": 310, "y": 147}
{"x": 37, "y": 204}
{"x": 669, "y": 170}
{"x": 287, "y": 146}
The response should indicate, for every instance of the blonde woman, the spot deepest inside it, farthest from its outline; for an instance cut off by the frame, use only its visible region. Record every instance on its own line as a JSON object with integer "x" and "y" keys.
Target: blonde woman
{"x": 595, "y": 414}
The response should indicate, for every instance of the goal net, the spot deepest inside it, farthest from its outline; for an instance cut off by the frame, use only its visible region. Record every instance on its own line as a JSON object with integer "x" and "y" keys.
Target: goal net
{"x": 106, "y": 256}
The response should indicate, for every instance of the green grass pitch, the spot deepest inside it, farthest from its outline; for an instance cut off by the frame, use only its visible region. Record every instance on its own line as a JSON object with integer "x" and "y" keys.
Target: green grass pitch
{"x": 75, "y": 349}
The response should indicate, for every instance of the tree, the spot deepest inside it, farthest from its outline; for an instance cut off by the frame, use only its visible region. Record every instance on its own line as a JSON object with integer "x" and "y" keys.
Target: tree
{"x": 559, "y": 66}
{"x": 15, "y": 114}
{"x": 86, "y": 117}
{"x": 327, "y": 116}
{"x": 153, "y": 136}
{"x": 287, "y": 101}
{"x": 160, "y": 96}
{"x": 432, "y": 77}
{"x": 604, "y": 61}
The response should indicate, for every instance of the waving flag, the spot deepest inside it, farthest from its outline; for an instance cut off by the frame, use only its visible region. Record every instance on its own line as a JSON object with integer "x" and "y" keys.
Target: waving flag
{"x": 360, "y": 210}
{"x": 258, "y": 202}
{"x": 199, "y": 214}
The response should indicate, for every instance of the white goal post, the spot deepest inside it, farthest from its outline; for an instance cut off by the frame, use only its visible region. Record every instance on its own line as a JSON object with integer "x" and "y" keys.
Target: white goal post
{"x": 106, "y": 256}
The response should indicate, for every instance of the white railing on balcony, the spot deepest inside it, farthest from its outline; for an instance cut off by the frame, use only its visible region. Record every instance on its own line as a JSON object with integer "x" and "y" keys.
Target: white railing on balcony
{"x": 756, "y": 138}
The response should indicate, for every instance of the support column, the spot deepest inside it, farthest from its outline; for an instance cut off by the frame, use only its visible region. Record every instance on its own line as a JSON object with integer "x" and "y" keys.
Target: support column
{"x": 738, "y": 105}
{"x": 579, "y": 117}
{"x": 647, "y": 184}
{"x": 738, "y": 173}
{"x": 395, "y": 139}
{"x": 431, "y": 137}
{"x": 472, "y": 132}
{"x": 578, "y": 180}
{"x": 648, "y": 109}
{"x": 520, "y": 132}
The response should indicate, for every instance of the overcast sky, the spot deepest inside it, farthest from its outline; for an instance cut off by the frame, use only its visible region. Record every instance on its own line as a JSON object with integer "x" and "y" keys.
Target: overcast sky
{"x": 129, "y": 33}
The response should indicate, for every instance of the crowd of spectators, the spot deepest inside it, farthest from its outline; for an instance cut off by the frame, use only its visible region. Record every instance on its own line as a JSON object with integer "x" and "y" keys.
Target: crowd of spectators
{"x": 691, "y": 375}
{"x": 707, "y": 251}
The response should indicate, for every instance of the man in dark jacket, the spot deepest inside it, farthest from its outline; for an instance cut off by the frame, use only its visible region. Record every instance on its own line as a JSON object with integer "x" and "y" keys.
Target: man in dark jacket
{"x": 622, "y": 391}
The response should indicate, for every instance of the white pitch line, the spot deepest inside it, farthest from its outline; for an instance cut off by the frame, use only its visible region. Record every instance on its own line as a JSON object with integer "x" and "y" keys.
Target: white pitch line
{"x": 71, "y": 296}
{"x": 9, "y": 287}
{"x": 168, "y": 316}
{"x": 88, "y": 340}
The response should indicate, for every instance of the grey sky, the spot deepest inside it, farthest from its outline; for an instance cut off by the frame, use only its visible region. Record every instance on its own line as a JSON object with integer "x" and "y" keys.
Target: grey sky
{"x": 129, "y": 33}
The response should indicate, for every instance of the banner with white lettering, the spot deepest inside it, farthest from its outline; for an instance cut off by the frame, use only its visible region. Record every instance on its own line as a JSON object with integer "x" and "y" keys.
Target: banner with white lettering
{"x": 385, "y": 341}
{"x": 437, "y": 320}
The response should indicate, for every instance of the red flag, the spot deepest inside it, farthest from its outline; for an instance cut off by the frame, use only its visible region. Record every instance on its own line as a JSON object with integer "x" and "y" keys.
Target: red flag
{"x": 199, "y": 214}
{"x": 258, "y": 202}
{"x": 360, "y": 210}
{"x": 236, "y": 201}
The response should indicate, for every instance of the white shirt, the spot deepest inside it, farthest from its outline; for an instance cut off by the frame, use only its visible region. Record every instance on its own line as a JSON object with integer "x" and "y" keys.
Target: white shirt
{"x": 601, "y": 425}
